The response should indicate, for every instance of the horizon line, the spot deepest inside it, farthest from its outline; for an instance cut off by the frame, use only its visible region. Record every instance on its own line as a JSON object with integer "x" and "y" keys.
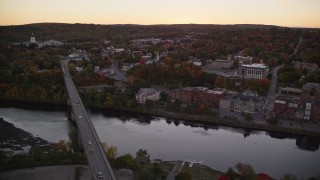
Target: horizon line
{"x": 160, "y": 24}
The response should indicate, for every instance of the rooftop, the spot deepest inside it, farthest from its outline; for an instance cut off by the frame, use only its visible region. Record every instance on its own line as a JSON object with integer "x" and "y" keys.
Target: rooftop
{"x": 280, "y": 102}
{"x": 290, "y": 89}
{"x": 227, "y": 98}
{"x": 147, "y": 91}
{"x": 221, "y": 60}
{"x": 311, "y": 85}
{"x": 255, "y": 65}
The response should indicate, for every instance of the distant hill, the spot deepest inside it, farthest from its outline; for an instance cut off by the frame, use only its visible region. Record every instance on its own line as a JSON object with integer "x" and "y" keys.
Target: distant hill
{"x": 47, "y": 31}
{"x": 92, "y": 32}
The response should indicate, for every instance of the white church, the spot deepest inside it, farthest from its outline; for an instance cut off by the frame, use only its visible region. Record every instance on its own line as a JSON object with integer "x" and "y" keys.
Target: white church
{"x": 42, "y": 44}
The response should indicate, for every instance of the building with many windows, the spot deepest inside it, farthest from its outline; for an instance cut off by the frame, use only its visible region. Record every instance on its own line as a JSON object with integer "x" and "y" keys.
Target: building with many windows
{"x": 253, "y": 71}
{"x": 198, "y": 95}
{"x": 147, "y": 93}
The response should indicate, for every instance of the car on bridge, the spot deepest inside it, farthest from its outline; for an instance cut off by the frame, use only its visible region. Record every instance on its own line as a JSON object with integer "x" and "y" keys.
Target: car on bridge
{"x": 100, "y": 175}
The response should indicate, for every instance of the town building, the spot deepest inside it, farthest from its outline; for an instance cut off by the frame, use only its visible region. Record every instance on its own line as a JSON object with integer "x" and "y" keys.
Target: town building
{"x": 310, "y": 92}
{"x": 253, "y": 71}
{"x": 33, "y": 41}
{"x": 248, "y": 101}
{"x": 52, "y": 43}
{"x": 183, "y": 94}
{"x": 290, "y": 109}
{"x": 221, "y": 64}
{"x": 147, "y": 93}
{"x": 147, "y": 41}
{"x": 127, "y": 66}
{"x": 198, "y": 95}
{"x": 243, "y": 59}
{"x": 315, "y": 112}
{"x": 303, "y": 65}
{"x": 78, "y": 55}
{"x": 290, "y": 93}
{"x": 226, "y": 103}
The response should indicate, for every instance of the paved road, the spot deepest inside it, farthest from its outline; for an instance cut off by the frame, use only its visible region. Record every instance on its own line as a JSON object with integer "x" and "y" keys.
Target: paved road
{"x": 273, "y": 89}
{"x": 119, "y": 76}
{"x": 96, "y": 157}
{"x": 176, "y": 169}
{"x": 298, "y": 45}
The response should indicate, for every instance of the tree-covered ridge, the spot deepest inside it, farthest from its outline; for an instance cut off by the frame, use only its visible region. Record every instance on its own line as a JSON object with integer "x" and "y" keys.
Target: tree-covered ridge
{"x": 271, "y": 43}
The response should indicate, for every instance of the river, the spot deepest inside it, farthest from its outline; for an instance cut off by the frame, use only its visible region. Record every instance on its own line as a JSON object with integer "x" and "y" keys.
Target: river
{"x": 219, "y": 147}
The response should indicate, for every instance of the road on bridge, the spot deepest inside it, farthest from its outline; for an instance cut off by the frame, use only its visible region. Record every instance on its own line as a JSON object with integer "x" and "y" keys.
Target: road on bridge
{"x": 94, "y": 151}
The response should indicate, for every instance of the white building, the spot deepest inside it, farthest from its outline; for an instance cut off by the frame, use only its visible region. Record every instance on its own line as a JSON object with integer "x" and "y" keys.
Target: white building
{"x": 32, "y": 39}
{"x": 253, "y": 71}
{"x": 127, "y": 66}
{"x": 51, "y": 43}
{"x": 221, "y": 64}
{"x": 79, "y": 55}
{"x": 147, "y": 93}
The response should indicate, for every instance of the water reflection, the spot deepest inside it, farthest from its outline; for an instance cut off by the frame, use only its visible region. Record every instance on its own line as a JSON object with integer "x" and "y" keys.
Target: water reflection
{"x": 220, "y": 147}
{"x": 303, "y": 142}
{"x": 203, "y": 133}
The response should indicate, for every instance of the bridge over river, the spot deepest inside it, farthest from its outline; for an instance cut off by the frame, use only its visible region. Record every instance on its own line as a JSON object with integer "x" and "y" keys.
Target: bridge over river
{"x": 93, "y": 149}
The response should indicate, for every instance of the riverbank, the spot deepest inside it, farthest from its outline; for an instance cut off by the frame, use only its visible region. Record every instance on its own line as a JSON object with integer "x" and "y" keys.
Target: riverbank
{"x": 16, "y": 139}
{"x": 203, "y": 120}
{"x": 196, "y": 120}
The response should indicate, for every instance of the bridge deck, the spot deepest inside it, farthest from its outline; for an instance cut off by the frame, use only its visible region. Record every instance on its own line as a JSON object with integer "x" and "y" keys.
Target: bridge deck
{"x": 96, "y": 157}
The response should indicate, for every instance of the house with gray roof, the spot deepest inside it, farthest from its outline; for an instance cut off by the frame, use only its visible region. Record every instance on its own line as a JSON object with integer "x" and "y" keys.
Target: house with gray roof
{"x": 247, "y": 101}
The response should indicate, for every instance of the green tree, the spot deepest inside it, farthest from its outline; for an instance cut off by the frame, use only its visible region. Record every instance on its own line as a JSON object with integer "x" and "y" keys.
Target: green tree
{"x": 156, "y": 170}
{"x": 246, "y": 172}
{"x": 126, "y": 161}
{"x": 112, "y": 153}
{"x": 142, "y": 157}
{"x": 232, "y": 174}
{"x": 36, "y": 153}
{"x": 74, "y": 144}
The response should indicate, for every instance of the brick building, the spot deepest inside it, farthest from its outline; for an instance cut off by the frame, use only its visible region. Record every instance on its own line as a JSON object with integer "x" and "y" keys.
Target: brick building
{"x": 310, "y": 92}
{"x": 198, "y": 95}
{"x": 288, "y": 108}
{"x": 183, "y": 94}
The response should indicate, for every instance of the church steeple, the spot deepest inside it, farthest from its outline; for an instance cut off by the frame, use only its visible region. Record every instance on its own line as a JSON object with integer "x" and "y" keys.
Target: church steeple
{"x": 32, "y": 39}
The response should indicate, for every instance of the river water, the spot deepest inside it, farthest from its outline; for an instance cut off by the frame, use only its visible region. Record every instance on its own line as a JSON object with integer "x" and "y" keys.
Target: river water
{"x": 219, "y": 147}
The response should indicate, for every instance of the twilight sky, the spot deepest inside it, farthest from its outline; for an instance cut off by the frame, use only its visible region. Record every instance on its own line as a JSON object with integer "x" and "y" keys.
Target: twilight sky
{"x": 291, "y": 13}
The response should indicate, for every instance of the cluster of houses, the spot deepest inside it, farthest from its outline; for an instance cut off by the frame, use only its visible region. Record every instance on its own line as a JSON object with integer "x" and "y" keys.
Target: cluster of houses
{"x": 247, "y": 101}
{"x": 78, "y": 55}
{"x": 299, "y": 104}
{"x": 150, "y": 41}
